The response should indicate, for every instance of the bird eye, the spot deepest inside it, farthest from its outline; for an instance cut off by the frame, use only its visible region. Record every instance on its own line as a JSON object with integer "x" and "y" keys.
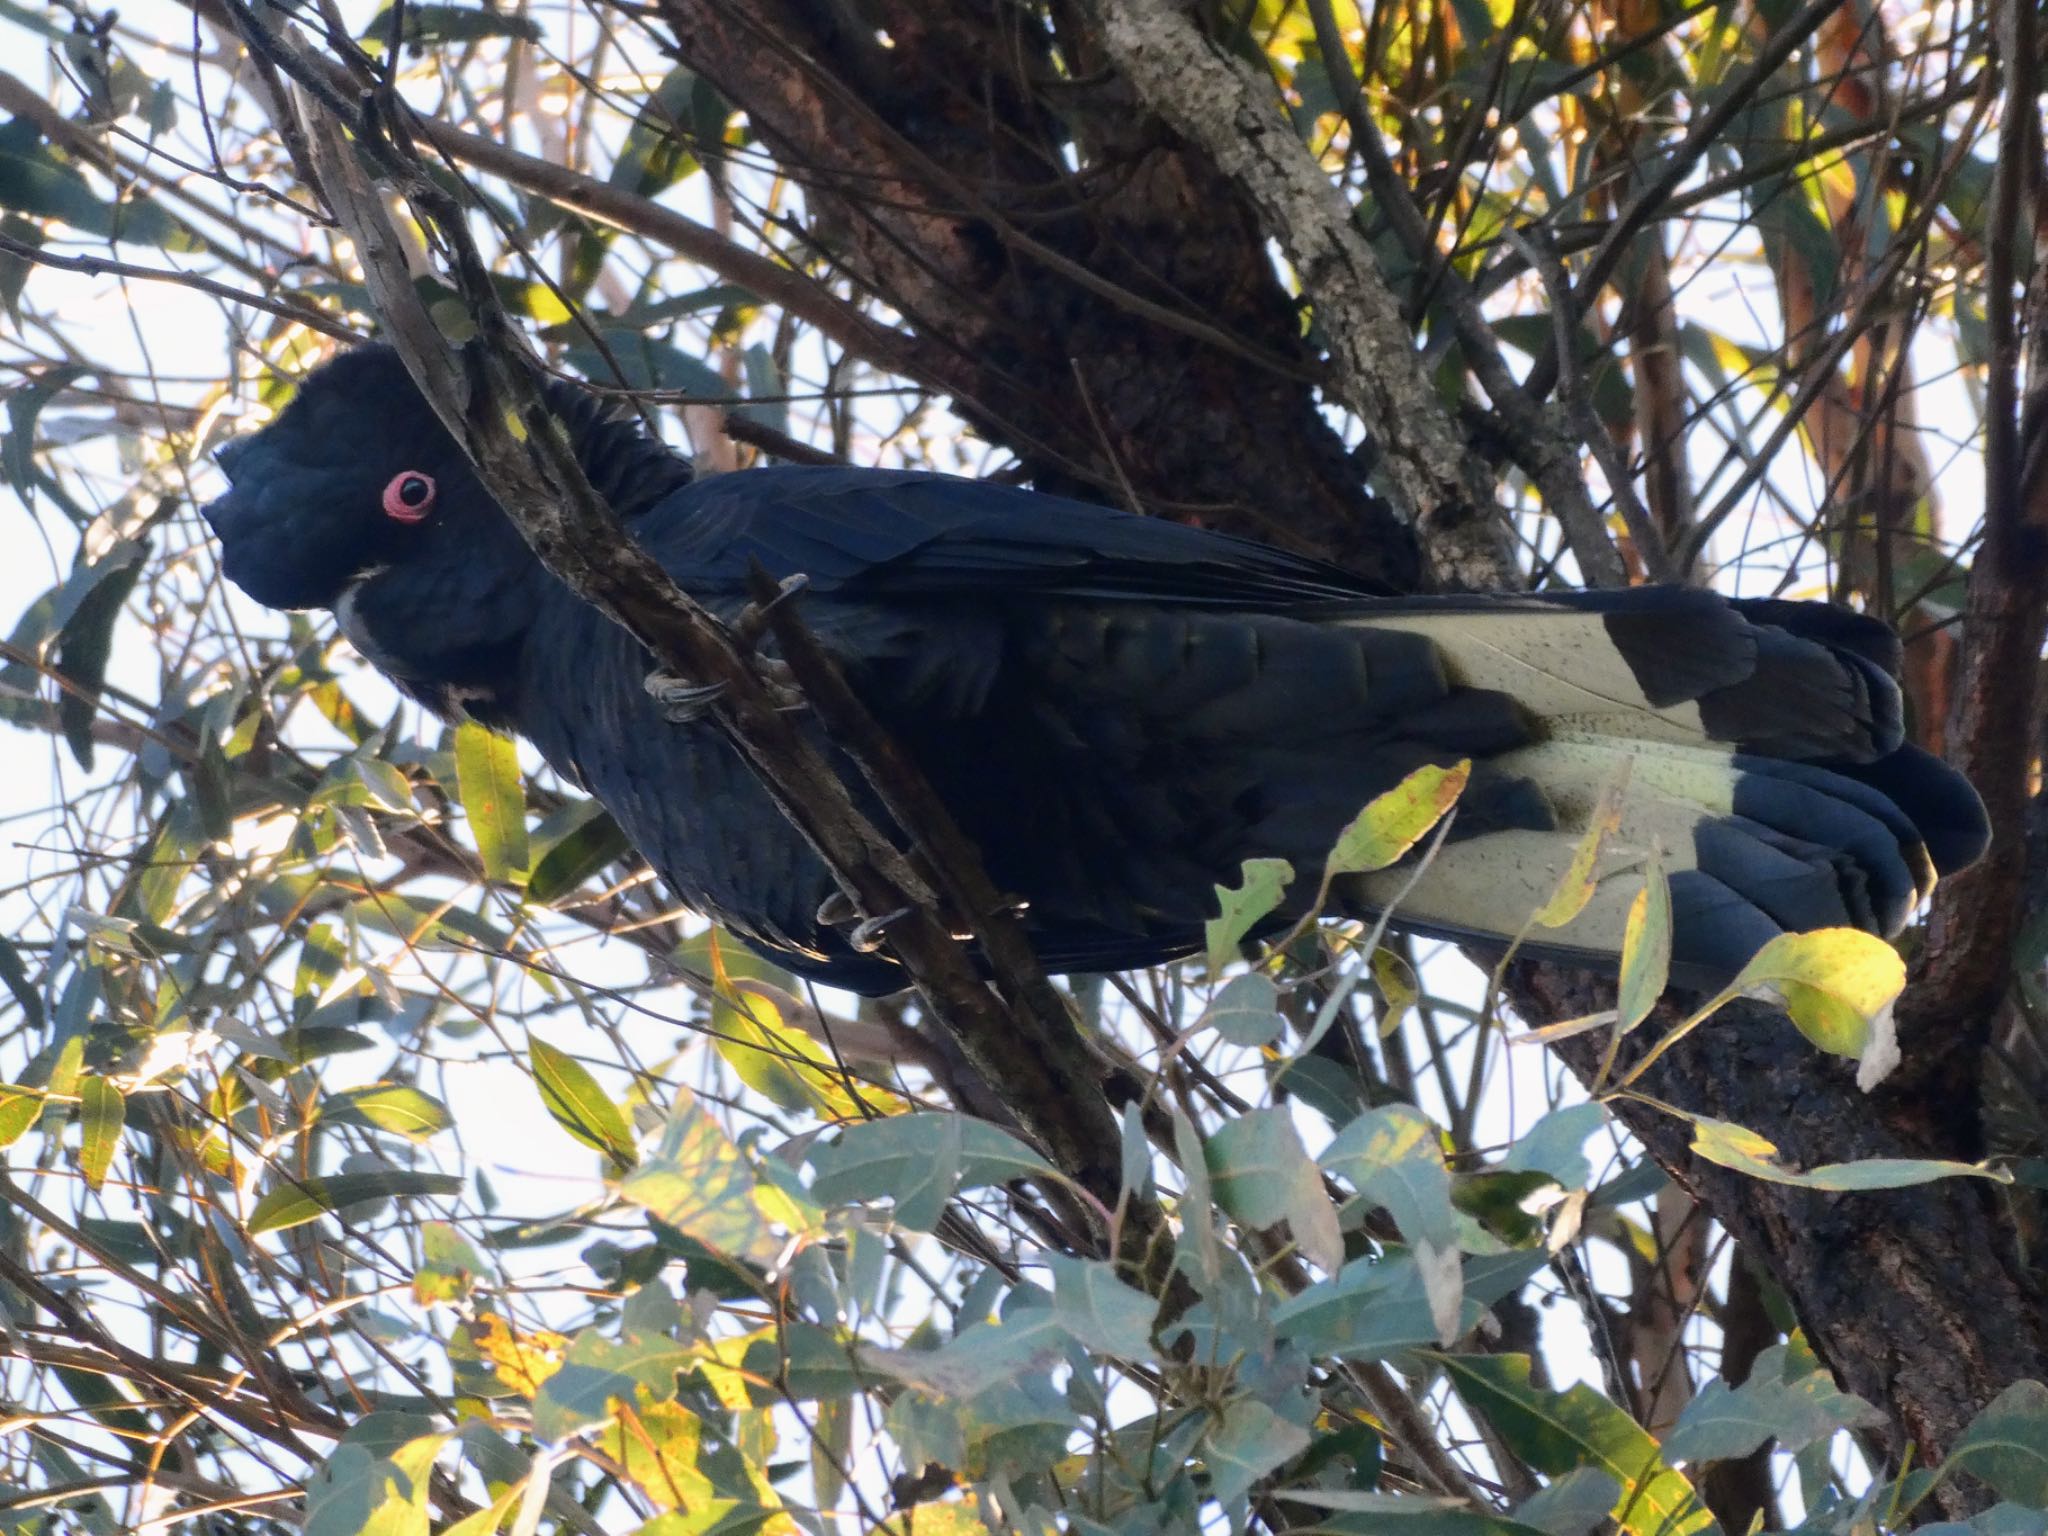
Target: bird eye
{"x": 409, "y": 497}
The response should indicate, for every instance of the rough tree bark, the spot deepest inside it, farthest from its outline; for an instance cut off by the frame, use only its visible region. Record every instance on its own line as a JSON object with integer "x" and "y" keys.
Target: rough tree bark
{"x": 1118, "y": 328}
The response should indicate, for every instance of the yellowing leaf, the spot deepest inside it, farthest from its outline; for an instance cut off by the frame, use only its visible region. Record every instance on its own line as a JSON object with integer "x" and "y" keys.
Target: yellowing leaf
{"x": 1396, "y": 821}
{"x": 1740, "y": 1148}
{"x": 656, "y": 1444}
{"x": 1645, "y": 949}
{"x": 494, "y": 798}
{"x": 953, "y": 1518}
{"x": 1835, "y": 982}
{"x": 524, "y": 1358}
{"x": 490, "y": 1519}
{"x": 697, "y": 1181}
{"x": 1575, "y": 886}
{"x": 19, "y": 1109}
{"x": 1558, "y": 1431}
{"x": 1398, "y": 990}
{"x": 751, "y": 1032}
{"x": 450, "y": 1265}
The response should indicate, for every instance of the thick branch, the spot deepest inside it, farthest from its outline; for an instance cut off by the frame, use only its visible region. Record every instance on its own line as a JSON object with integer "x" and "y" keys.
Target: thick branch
{"x": 1977, "y": 914}
{"x": 1231, "y": 112}
{"x": 1098, "y": 292}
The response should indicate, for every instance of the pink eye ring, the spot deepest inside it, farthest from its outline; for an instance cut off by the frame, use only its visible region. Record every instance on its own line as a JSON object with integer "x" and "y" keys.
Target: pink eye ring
{"x": 409, "y": 497}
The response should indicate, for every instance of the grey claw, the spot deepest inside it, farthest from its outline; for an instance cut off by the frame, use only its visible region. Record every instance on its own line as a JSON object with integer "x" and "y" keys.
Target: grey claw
{"x": 867, "y": 935}
{"x": 837, "y": 910}
{"x": 681, "y": 702}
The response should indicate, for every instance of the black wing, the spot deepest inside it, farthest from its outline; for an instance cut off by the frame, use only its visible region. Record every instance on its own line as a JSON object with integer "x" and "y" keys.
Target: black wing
{"x": 883, "y": 533}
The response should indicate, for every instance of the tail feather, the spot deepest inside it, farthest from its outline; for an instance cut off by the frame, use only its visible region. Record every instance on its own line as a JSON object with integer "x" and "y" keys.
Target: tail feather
{"x": 1763, "y": 743}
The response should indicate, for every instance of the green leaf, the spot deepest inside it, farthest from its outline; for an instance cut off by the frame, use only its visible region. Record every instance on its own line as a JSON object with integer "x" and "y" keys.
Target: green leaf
{"x": 1250, "y": 1441}
{"x": 1556, "y": 1432}
{"x": 1097, "y": 1308}
{"x": 918, "y": 1161}
{"x": 87, "y": 639}
{"x": 303, "y": 1200}
{"x": 25, "y": 404}
{"x": 644, "y": 363}
{"x": 1837, "y": 983}
{"x": 15, "y": 975}
{"x": 449, "y": 1267}
{"x": 1571, "y": 1505}
{"x": 1394, "y": 1158}
{"x": 804, "y": 1360}
{"x": 579, "y": 1106}
{"x": 494, "y": 797}
{"x": 1261, "y": 1174}
{"x": 1243, "y": 908}
{"x": 2007, "y": 1445}
{"x": 36, "y": 182}
{"x": 393, "y": 1107}
{"x": 656, "y": 153}
{"x": 1740, "y": 1148}
{"x": 1247, "y": 1011}
{"x": 580, "y": 1394}
{"x": 1645, "y": 949}
{"x": 14, "y": 269}
{"x": 584, "y": 843}
{"x": 767, "y": 394}
{"x": 323, "y": 954}
{"x": 1725, "y": 1422}
{"x": 1396, "y": 821}
{"x": 696, "y": 1181}
{"x": 101, "y": 1113}
{"x": 20, "y": 1108}
{"x": 985, "y": 1355}
{"x": 432, "y": 25}
{"x": 1553, "y": 1145}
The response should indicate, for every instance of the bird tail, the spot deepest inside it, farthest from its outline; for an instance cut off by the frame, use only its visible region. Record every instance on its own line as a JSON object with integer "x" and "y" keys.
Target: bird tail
{"x": 1756, "y": 747}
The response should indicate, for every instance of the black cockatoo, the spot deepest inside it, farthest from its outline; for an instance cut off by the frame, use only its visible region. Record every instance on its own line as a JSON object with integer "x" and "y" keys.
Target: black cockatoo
{"x": 1118, "y": 709}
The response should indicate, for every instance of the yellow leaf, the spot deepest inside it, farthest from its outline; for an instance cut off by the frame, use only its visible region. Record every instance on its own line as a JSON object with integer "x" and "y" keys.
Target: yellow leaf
{"x": 1575, "y": 886}
{"x": 1645, "y": 949}
{"x": 1835, "y": 982}
{"x": 525, "y": 1358}
{"x": 1396, "y": 821}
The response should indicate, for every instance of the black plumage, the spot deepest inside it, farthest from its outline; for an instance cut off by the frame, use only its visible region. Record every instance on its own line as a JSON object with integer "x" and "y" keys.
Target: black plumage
{"x": 1119, "y": 710}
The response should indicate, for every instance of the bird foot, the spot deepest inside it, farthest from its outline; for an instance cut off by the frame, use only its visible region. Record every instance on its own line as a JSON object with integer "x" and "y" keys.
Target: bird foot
{"x": 780, "y": 683}
{"x": 751, "y": 627}
{"x": 684, "y": 703}
{"x": 681, "y": 702}
{"x": 866, "y": 936}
